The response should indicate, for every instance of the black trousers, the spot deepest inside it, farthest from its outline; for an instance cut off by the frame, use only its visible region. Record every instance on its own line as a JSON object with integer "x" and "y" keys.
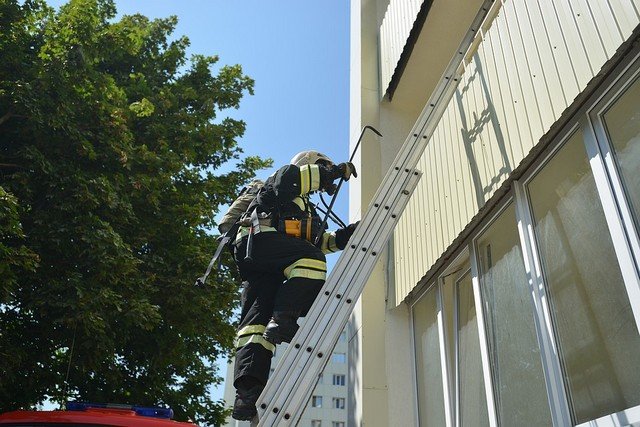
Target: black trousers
{"x": 286, "y": 274}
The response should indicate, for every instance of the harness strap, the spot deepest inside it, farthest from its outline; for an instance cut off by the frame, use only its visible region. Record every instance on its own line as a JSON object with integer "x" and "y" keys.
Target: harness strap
{"x": 223, "y": 241}
{"x": 216, "y": 257}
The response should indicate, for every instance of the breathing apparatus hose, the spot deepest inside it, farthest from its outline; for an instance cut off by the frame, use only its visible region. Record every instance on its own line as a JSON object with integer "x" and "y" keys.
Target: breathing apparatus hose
{"x": 335, "y": 194}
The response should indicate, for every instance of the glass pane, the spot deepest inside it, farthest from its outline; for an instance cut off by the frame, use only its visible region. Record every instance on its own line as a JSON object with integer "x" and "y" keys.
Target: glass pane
{"x": 428, "y": 363}
{"x": 521, "y": 396}
{"x": 473, "y": 400}
{"x": 596, "y": 332}
{"x": 622, "y": 121}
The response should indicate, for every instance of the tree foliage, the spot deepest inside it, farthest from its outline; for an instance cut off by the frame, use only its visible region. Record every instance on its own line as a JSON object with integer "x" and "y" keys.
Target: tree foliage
{"x": 110, "y": 147}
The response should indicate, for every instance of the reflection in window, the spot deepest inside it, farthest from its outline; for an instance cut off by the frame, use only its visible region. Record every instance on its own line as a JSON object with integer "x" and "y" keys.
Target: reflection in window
{"x": 596, "y": 331}
{"x": 472, "y": 396}
{"x": 622, "y": 121}
{"x": 339, "y": 358}
{"x": 521, "y": 397}
{"x": 316, "y": 401}
{"x": 428, "y": 363}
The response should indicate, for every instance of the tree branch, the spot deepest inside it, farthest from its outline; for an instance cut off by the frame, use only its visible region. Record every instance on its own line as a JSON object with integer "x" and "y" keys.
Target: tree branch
{"x": 9, "y": 115}
{"x": 6, "y": 117}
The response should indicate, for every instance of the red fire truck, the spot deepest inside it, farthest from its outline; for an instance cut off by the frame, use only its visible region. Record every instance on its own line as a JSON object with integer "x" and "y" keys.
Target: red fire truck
{"x": 79, "y": 414}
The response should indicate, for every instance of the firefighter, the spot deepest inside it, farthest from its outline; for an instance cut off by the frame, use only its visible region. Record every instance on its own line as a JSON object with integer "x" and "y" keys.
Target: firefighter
{"x": 286, "y": 270}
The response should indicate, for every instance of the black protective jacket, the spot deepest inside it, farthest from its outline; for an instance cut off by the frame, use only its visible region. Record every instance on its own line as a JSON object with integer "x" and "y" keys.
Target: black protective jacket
{"x": 285, "y": 195}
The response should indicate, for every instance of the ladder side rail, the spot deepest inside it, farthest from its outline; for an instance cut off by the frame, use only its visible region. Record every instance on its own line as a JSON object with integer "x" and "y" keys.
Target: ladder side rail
{"x": 322, "y": 336}
{"x": 374, "y": 220}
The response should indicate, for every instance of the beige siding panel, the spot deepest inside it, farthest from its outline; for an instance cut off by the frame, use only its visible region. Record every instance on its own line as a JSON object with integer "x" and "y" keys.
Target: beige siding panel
{"x": 591, "y": 36}
{"x": 437, "y": 180}
{"x": 582, "y": 62}
{"x": 548, "y": 71}
{"x": 494, "y": 156}
{"x": 626, "y": 15}
{"x": 560, "y": 49}
{"x": 477, "y": 135}
{"x": 456, "y": 203}
{"x": 448, "y": 177}
{"x": 606, "y": 25}
{"x": 501, "y": 92}
{"x": 393, "y": 33}
{"x": 532, "y": 62}
{"x": 519, "y": 124}
{"x": 525, "y": 99}
{"x": 532, "y": 45}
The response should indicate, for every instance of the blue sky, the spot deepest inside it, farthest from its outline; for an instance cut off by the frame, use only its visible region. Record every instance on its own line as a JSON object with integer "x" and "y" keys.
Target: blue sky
{"x": 298, "y": 54}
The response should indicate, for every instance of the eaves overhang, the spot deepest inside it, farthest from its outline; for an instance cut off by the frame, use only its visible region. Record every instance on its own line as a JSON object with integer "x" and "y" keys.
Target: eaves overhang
{"x": 410, "y": 43}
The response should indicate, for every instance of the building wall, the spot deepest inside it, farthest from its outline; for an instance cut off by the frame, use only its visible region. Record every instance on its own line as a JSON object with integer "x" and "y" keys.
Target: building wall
{"x": 528, "y": 64}
{"x": 436, "y": 345}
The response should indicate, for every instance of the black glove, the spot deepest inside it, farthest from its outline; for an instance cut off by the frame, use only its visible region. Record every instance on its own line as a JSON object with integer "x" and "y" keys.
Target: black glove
{"x": 344, "y": 234}
{"x": 343, "y": 170}
{"x": 330, "y": 173}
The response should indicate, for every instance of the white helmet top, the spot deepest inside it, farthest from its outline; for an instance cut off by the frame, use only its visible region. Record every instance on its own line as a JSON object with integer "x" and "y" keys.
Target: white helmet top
{"x": 309, "y": 157}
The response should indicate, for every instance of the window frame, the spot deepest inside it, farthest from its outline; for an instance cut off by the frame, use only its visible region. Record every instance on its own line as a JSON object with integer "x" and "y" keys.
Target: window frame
{"x": 622, "y": 226}
{"x": 617, "y": 209}
{"x": 587, "y": 120}
{"x": 626, "y": 241}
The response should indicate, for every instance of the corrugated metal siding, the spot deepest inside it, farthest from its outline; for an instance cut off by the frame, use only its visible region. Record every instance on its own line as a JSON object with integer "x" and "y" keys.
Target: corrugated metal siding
{"x": 530, "y": 64}
{"x": 396, "y": 25}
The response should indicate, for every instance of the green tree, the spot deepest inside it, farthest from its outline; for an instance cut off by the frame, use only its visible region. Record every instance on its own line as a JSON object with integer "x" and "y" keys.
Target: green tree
{"x": 111, "y": 143}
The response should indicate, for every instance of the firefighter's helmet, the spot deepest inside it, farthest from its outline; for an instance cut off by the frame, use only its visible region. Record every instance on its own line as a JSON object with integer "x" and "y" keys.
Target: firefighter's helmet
{"x": 310, "y": 157}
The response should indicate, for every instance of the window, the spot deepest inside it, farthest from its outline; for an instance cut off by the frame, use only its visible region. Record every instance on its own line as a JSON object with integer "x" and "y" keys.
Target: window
{"x": 316, "y": 401}
{"x": 316, "y": 423}
{"x": 518, "y": 378}
{"x": 428, "y": 363}
{"x": 339, "y": 358}
{"x": 592, "y": 318}
{"x": 343, "y": 336}
{"x": 320, "y": 379}
{"x": 471, "y": 393}
{"x": 338, "y": 402}
{"x": 556, "y": 333}
{"x": 337, "y": 424}
{"x": 622, "y": 123}
{"x": 338, "y": 379}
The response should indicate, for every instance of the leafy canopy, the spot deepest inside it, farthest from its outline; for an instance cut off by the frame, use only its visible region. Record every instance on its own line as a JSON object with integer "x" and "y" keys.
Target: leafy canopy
{"x": 110, "y": 147}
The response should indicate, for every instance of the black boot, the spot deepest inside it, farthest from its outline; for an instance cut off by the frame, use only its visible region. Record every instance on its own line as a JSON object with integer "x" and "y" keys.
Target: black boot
{"x": 282, "y": 327}
{"x": 244, "y": 408}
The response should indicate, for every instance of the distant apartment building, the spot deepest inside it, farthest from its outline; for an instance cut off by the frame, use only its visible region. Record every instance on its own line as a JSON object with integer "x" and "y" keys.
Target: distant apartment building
{"x": 327, "y": 406}
{"x": 510, "y": 292}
